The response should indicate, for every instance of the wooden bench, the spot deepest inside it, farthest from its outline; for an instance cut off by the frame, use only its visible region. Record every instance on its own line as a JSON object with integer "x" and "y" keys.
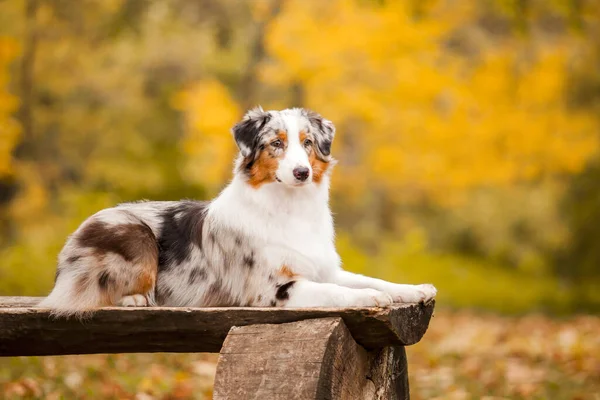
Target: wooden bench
{"x": 265, "y": 353}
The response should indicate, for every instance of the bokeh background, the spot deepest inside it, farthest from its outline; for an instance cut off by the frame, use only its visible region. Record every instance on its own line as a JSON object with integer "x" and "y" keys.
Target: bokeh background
{"x": 467, "y": 139}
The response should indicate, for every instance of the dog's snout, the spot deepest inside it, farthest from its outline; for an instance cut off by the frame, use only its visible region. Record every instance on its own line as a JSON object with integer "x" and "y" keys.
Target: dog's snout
{"x": 301, "y": 173}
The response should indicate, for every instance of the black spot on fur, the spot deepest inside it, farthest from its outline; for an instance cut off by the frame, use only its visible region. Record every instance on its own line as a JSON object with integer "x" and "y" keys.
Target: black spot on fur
{"x": 181, "y": 227}
{"x": 238, "y": 241}
{"x": 105, "y": 280}
{"x": 249, "y": 260}
{"x": 324, "y": 146}
{"x": 196, "y": 274}
{"x": 282, "y": 290}
{"x": 247, "y": 132}
{"x": 273, "y": 303}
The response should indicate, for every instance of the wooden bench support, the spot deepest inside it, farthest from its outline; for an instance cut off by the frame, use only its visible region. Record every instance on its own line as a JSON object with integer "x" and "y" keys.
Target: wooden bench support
{"x": 265, "y": 353}
{"x": 312, "y": 359}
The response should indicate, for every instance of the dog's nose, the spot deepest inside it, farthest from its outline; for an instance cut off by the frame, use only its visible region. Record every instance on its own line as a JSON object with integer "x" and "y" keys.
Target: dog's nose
{"x": 301, "y": 173}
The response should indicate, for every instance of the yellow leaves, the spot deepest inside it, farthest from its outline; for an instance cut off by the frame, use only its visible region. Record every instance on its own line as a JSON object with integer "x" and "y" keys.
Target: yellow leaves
{"x": 423, "y": 117}
{"x": 9, "y": 128}
{"x": 210, "y": 112}
{"x": 33, "y": 199}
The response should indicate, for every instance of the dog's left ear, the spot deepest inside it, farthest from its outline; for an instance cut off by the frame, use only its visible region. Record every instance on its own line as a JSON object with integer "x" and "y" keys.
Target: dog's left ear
{"x": 323, "y": 131}
{"x": 247, "y": 132}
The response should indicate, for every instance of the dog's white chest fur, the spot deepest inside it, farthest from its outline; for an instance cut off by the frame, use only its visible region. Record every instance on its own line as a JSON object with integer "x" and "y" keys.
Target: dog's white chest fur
{"x": 290, "y": 226}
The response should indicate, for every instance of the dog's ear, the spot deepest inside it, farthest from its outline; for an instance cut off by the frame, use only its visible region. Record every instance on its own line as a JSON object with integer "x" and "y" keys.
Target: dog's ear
{"x": 247, "y": 132}
{"x": 323, "y": 131}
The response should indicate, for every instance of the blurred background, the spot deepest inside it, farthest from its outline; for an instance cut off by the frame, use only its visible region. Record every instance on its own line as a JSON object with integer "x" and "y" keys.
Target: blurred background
{"x": 467, "y": 140}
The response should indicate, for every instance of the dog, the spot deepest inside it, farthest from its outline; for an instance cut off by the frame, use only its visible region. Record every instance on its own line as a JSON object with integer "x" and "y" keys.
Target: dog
{"x": 267, "y": 240}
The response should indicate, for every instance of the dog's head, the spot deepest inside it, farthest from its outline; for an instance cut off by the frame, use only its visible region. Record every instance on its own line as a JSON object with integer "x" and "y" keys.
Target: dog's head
{"x": 290, "y": 147}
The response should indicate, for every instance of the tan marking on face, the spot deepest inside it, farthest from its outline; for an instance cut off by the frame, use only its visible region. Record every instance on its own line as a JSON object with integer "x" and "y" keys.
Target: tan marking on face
{"x": 319, "y": 167}
{"x": 264, "y": 168}
{"x": 303, "y": 136}
{"x": 282, "y": 135}
{"x": 287, "y": 272}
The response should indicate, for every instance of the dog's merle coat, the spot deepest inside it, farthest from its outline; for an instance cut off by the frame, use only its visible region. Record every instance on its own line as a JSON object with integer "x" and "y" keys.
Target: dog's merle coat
{"x": 266, "y": 240}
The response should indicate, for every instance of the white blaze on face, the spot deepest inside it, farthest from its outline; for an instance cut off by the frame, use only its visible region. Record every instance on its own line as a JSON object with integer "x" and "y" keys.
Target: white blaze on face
{"x": 295, "y": 154}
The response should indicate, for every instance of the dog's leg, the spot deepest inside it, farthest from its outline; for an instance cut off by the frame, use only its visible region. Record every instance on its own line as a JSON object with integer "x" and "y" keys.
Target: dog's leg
{"x": 135, "y": 300}
{"x": 305, "y": 293}
{"x": 400, "y": 293}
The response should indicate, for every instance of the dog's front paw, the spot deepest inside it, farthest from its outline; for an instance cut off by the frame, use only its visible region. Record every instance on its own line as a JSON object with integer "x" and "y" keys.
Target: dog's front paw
{"x": 414, "y": 294}
{"x": 370, "y": 298}
{"x": 428, "y": 291}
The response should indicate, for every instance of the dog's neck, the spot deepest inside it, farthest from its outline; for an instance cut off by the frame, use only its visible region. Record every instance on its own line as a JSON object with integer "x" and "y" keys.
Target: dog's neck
{"x": 278, "y": 197}
{"x": 272, "y": 203}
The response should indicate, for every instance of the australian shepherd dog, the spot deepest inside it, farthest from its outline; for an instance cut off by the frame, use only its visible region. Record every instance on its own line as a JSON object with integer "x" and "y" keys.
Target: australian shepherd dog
{"x": 266, "y": 241}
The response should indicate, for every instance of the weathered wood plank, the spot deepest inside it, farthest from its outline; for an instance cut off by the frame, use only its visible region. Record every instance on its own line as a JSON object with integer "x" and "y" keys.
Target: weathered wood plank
{"x": 284, "y": 361}
{"x": 27, "y": 331}
{"x": 18, "y": 301}
{"x": 312, "y": 359}
{"x": 388, "y": 374}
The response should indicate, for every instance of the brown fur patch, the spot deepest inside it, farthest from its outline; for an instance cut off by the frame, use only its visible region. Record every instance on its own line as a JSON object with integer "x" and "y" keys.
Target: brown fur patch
{"x": 137, "y": 245}
{"x": 264, "y": 167}
{"x": 134, "y": 242}
{"x": 319, "y": 167}
{"x": 287, "y": 272}
{"x": 282, "y": 135}
{"x": 303, "y": 136}
{"x": 144, "y": 282}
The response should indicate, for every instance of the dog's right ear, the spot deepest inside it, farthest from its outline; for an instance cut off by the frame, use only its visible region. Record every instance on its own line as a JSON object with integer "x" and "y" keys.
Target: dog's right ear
{"x": 247, "y": 132}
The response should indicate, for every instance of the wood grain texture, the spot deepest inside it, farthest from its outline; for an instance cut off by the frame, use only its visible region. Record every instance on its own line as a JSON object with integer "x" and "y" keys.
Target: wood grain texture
{"x": 27, "y": 331}
{"x": 312, "y": 359}
{"x": 388, "y": 374}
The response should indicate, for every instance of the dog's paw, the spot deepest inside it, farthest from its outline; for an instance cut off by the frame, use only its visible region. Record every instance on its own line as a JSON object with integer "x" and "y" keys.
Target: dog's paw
{"x": 428, "y": 291}
{"x": 135, "y": 300}
{"x": 415, "y": 294}
{"x": 370, "y": 298}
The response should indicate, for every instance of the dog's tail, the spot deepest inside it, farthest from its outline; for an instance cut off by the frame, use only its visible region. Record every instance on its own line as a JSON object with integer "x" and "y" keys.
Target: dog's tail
{"x": 75, "y": 295}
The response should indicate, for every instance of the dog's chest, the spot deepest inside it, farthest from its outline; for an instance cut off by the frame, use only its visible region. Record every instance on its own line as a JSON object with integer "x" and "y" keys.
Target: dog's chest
{"x": 303, "y": 244}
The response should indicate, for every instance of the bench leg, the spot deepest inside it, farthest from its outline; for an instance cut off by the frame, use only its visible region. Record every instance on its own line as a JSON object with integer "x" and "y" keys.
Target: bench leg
{"x": 311, "y": 359}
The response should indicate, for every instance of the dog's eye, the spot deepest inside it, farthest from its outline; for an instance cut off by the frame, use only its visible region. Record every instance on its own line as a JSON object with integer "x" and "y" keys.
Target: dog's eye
{"x": 277, "y": 143}
{"x": 308, "y": 143}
